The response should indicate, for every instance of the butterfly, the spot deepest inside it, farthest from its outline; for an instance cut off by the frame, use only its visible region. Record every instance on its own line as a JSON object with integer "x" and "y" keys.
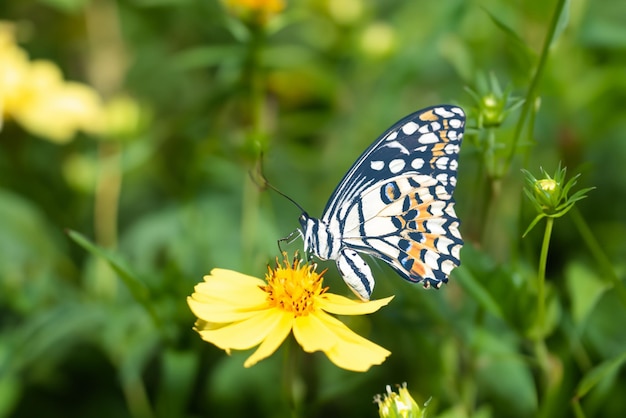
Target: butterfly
{"x": 395, "y": 204}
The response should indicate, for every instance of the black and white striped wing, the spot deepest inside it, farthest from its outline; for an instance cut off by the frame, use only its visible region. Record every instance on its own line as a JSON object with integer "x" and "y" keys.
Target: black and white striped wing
{"x": 396, "y": 204}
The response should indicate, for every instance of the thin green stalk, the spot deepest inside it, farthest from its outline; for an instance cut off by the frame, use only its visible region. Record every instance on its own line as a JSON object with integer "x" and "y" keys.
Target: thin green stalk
{"x": 254, "y": 145}
{"x": 531, "y": 93}
{"x": 578, "y": 410}
{"x": 137, "y": 398}
{"x": 541, "y": 351}
{"x": 292, "y": 383}
{"x": 598, "y": 254}
{"x": 541, "y": 276}
{"x": 106, "y": 69}
{"x": 492, "y": 192}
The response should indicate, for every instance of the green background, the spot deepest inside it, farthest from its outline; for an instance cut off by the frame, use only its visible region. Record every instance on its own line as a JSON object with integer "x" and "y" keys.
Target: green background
{"x": 78, "y": 338}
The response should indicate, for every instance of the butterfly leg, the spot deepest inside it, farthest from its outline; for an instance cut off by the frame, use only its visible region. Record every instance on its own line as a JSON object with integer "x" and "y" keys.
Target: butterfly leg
{"x": 356, "y": 273}
{"x": 289, "y": 239}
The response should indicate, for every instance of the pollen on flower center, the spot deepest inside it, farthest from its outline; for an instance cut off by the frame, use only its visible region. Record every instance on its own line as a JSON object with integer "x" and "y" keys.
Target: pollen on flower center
{"x": 293, "y": 287}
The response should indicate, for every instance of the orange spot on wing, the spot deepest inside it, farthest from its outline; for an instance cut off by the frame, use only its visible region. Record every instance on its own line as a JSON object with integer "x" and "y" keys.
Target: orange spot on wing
{"x": 429, "y": 116}
{"x": 437, "y": 152}
{"x": 389, "y": 192}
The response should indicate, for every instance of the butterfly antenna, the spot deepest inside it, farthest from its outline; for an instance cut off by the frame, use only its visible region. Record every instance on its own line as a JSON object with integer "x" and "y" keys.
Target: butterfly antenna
{"x": 266, "y": 184}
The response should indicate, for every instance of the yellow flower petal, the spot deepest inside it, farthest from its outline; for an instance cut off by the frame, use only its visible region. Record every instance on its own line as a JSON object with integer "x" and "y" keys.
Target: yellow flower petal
{"x": 352, "y": 352}
{"x": 230, "y": 288}
{"x": 220, "y": 313}
{"x": 345, "y": 348}
{"x": 244, "y": 334}
{"x": 342, "y": 305}
{"x": 273, "y": 340}
{"x": 312, "y": 335}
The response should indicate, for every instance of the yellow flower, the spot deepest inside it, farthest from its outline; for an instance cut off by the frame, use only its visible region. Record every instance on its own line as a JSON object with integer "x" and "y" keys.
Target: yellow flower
{"x": 255, "y": 11}
{"x": 236, "y": 311}
{"x": 35, "y": 95}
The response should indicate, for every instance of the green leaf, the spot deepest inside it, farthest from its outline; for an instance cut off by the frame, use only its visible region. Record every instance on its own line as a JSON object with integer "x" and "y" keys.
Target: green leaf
{"x": 474, "y": 287}
{"x": 529, "y": 54}
{"x": 137, "y": 288}
{"x": 562, "y": 22}
{"x": 584, "y": 288}
{"x": 595, "y": 375}
{"x": 533, "y": 223}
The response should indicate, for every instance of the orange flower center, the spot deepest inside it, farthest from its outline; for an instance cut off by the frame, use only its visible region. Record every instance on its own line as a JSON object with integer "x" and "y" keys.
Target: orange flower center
{"x": 294, "y": 287}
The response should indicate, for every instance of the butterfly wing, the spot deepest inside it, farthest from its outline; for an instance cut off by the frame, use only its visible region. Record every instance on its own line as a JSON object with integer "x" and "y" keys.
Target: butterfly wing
{"x": 408, "y": 221}
{"x": 396, "y": 203}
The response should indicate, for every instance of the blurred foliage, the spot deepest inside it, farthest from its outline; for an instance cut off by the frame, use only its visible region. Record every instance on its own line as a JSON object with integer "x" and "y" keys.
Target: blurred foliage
{"x": 95, "y": 322}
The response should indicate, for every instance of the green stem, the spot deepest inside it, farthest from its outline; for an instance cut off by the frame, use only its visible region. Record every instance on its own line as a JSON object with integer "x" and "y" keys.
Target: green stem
{"x": 292, "y": 381}
{"x": 529, "y": 101}
{"x": 578, "y": 410}
{"x": 137, "y": 398}
{"x": 106, "y": 70}
{"x": 255, "y": 138}
{"x": 492, "y": 191}
{"x": 541, "y": 277}
{"x": 541, "y": 351}
{"x": 598, "y": 253}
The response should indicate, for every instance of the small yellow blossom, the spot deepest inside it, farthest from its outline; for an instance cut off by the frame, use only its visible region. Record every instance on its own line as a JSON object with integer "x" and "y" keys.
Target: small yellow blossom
{"x": 34, "y": 94}
{"x": 236, "y": 311}
{"x": 255, "y": 11}
{"x": 398, "y": 405}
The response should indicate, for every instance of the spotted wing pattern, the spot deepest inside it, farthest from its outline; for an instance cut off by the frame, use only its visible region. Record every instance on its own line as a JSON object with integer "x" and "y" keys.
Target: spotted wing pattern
{"x": 395, "y": 203}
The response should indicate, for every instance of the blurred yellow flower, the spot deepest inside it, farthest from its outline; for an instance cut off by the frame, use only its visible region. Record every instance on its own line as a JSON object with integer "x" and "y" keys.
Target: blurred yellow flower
{"x": 255, "y": 11}
{"x": 236, "y": 311}
{"x": 35, "y": 95}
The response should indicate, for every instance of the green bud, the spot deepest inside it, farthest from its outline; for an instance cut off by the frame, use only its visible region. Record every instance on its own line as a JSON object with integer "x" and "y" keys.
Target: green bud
{"x": 398, "y": 405}
{"x": 492, "y": 104}
{"x": 550, "y": 195}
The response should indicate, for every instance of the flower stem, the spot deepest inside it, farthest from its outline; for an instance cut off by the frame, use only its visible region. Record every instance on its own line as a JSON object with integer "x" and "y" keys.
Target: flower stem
{"x": 106, "y": 69}
{"x": 254, "y": 141}
{"x": 292, "y": 382}
{"x": 531, "y": 93}
{"x": 541, "y": 276}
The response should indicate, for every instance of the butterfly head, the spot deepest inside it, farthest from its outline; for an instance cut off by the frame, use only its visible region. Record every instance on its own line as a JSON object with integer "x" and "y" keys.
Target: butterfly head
{"x": 308, "y": 225}
{"x": 318, "y": 240}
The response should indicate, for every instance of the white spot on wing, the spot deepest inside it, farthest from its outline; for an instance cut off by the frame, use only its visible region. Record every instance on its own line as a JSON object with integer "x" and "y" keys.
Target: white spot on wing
{"x": 377, "y": 165}
{"x": 435, "y": 125}
{"x": 396, "y": 144}
{"x": 442, "y": 163}
{"x": 428, "y": 138}
{"x": 417, "y": 163}
{"x": 410, "y": 127}
{"x": 456, "y": 251}
{"x": 455, "y": 123}
{"x": 392, "y": 136}
{"x": 431, "y": 259}
{"x": 447, "y": 266}
{"x": 395, "y": 166}
{"x": 434, "y": 227}
{"x": 443, "y": 112}
{"x": 443, "y": 244}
